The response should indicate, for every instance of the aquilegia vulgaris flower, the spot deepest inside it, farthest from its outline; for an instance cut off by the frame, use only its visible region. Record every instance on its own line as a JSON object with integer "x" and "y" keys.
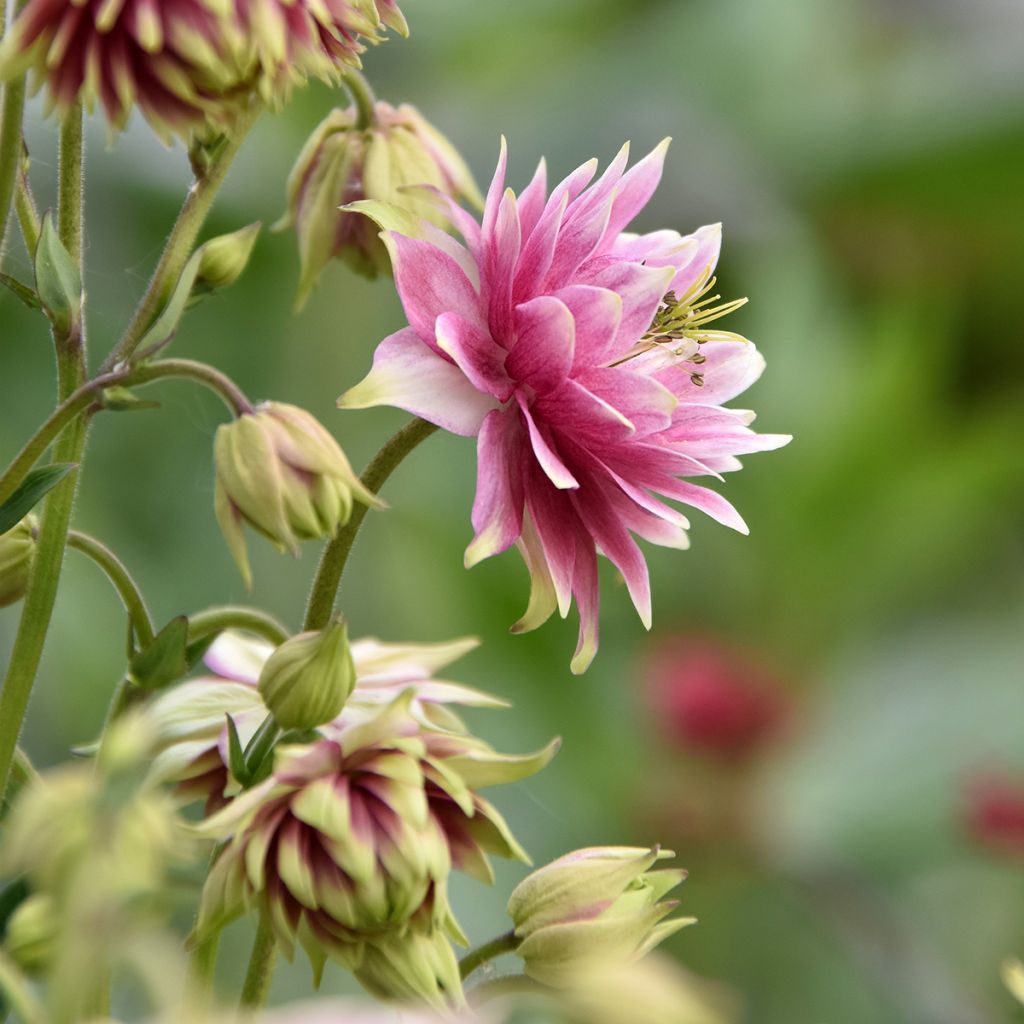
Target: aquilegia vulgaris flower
{"x": 588, "y": 364}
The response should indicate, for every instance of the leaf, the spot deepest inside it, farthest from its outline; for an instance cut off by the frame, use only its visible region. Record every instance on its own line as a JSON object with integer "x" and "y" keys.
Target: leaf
{"x": 31, "y": 492}
{"x": 165, "y": 660}
{"x": 22, "y": 291}
{"x": 118, "y": 399}
{"x": 236, "y": 756}
{"x": 58, "y": 281}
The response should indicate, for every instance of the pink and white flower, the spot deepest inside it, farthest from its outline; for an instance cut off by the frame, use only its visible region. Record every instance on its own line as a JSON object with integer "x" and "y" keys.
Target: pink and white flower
{"x": 584, "y": 361}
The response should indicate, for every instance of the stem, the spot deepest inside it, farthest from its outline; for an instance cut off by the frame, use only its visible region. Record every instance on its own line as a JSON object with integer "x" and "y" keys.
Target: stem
{"x": 332, "y": 562}
{"x": 203, "y": 961}
{"x": 210, "y": 377}
{"x": 17, "y": 990}
{"x": 261, "y": 966}
{"x": 362, "y": 95}
{"x": 181, "y": 240}
{"x": 65, "y": 413}
{"x": 216, "y": 620}
{"x": 119, "y": 575}
{"x": 12, "y": 112}
{"x": 488, "y": 951}
{"x": 37, "y": 609}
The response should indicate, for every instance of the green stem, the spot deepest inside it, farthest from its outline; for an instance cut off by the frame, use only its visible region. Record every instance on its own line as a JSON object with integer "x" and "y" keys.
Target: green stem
{"x": 332, "y": 563}
{"x": 261, "y": 966}
{"x": 488, "y": 951}
{"x": 362, "y": 95}
{"x": 11, "y": 112}
{"x": 216, "y": 620}
{"x": 181, "y": 241}
{"x": 119, "y": 575}
{"x": 203, "y": 961}
{"x": 210, "y": 377}
{"x": 37, "y": 608}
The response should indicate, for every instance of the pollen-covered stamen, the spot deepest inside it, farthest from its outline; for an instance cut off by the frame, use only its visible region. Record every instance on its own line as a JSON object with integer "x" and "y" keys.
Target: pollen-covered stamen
{"x": 679, "y": 326}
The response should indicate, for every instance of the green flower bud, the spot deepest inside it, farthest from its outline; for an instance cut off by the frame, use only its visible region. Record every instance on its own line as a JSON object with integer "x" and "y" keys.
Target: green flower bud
{"x": 31, "y": 933}
{"x": 17, "y": 546}
{"x": 280, "y": 471}
{"x": 223, "y": 259}
{"x": 592, "y": 908}
{"x": 411, "y": 967}
{"x": 307, "y": 680}
{"x": 386, "y": 162}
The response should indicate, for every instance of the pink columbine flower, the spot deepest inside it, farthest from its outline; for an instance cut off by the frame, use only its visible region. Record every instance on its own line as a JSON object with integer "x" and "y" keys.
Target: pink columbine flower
{"x": 587, "y": 363}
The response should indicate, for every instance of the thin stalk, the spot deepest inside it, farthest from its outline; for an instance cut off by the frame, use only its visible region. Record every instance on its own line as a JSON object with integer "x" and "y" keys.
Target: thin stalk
{"x": 12, "y": 111}
{"x": 332, "y": 563}
{"x": 261, "y": 966}
{"x": 216, "y": 620}
{"x": 210, "y": 377}
{"x": 488, "y": 951}
{"x": 362, "y": 95}
{"x": 118, "y": 574}
{"x": 37, "y": 608}
{"x": 181, "y": 241}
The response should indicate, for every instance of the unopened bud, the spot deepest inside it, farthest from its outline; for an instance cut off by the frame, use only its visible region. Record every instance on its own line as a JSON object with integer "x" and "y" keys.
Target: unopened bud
{"x": 17, "y": 547}
{"x": 223, "y": 259}
{"x": 280, "y": 471}
{"x": 32, "y": 933}
{"x": 343, "y": 163}
{"x": 307, "y": 680}
{"x": 411, "y": 966}
{"x": 591, "y": 908}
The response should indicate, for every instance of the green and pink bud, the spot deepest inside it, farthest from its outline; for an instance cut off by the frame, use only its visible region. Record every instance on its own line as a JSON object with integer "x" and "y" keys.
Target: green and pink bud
{"x": 281, "y": 472}
{"x": 593, "y": 908}
{"x": 17, "y": 548}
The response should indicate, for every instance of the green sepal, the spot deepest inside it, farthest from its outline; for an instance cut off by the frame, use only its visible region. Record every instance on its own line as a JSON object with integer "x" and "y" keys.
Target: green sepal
{"x": 32, "y": 490}
{"x": 22, "y": 291}
{"x": 259, "y": 754}
{"x": 236, "y": 756}
{"x": 164, "y": 660}
{"x": 118, "y": 399}
{"x": 58, "y": 280}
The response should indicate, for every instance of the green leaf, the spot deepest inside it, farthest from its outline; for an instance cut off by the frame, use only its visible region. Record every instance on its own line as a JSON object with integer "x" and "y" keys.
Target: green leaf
{"x": 31, "y": 492}
{"x": 236, "y": 756}
{"x": 118, "y": 399}
{"x": 22, "y": 291}
{"x": 165, "y": 660}
{"x": 259, "y": 754}
{"x": 58, "y": 281}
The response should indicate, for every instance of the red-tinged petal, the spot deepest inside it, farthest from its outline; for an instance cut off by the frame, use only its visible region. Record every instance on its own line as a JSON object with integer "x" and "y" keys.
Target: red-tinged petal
{"x": 495, "y": 192}
{"x": 740, "y": 442}
{"x": 501, "y": 253}
{"x": 574, "y": 184}
{"x": 500, "y": 495}
{"x": 635, "y": 189}
{"x": 708, "y": 501}
{"x": 554, "y": 469}
{"x": 729, "y": 368}
{"x": 577, "y": 240}
{"x": 580, "y": 413}
{"x": 538, "y": 251}
{"x": 598, "y": 313}
{"x": 476, "y": 353}
{"x": 556, "y": 524}
{"x": 644, "y": 401}
{"x": 409, "y": 375}
{"x": 545, "y": 334}
{"x": 430, "y": 283}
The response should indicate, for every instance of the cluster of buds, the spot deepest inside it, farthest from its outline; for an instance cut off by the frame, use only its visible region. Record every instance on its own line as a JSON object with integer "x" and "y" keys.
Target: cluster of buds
{"x": 188, "y": 65}
{"x": 398, "y": 158}
{"x": 281, "y": 472}
{"x": 17, "y": 546}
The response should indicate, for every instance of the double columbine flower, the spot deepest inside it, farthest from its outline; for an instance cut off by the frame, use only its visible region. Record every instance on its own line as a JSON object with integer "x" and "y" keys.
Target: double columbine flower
{"x": 187, "y": 63}
{"x": 385, "y": 161}
{"x": 586, "y": 363}
{"x": 347, "y": 847}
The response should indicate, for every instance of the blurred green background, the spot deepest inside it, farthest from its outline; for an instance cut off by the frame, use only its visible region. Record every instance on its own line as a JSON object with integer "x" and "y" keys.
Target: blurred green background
{"x": 867, "y": 160}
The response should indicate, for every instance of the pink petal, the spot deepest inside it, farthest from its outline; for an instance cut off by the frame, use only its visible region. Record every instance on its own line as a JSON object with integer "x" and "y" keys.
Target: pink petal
{"x": 702, "y": 262}
{"x": 730, "y": 368}
{"x": 556, "y": 524}
{"x": 579, "y": 412}
{"x": 501, "y": 253}
{"x": 533, "y": 199}
{"x": 553, "y": 467}
{"x": 709, "y": 502}
{"x": 495, "y": 191}
{"x": 410, "y": 375}
{"x": 543, "y": 600}
{"x": 500, "y": 496}
{"x": 576, "y": 241}
{"x": 545, "y": 335}
{"x": 598, "y": 313}
{"x": 644, "y": 401}
{"x": 635, "y": 189}
{"x": 476, "y": 353}
{"x": 538, "y": 251}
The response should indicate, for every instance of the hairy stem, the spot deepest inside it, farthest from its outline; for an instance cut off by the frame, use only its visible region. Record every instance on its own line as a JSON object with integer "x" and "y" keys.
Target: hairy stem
{"x": 37, "y": 608}
{"x": 362, "y": 95}
{"x": 119, "y": 575}
{"x": 488, "y": 951}
{"x": 261, "y": 966}
{"x": 216, "y": 620}
{"x": 210, "y": 377}
{"x": 332, "y": 562}
{"x": 181, "y": 241}
{"x": 12, "y": 110}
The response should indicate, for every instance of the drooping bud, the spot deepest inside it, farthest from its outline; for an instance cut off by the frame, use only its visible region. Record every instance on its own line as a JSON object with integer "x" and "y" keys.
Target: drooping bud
{"x": 343, "y": 163}
{"x": 307, "y": 680}
{"x": 280, "y": 471}
{"x": 17, "y": 547}
{"x": 597, "y": 906}
{"x": 224, "y": 259}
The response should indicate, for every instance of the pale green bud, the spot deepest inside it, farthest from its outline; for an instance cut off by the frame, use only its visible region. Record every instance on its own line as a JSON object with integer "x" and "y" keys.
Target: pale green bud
{"x": 281, "y": 472}
{"x": 223, "y": 259}
{"x": 409, "y": 966}
{"x": 32, "y": 933}
{"x": 17, "y": 546}
{"x": 590, "y": 908}
{"x": 307, "y": 680}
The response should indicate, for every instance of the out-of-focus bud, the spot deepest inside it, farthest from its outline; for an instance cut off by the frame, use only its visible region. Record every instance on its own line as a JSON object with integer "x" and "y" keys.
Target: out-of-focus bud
{"x": 710, "y": 699}
{"x": 411, "y": 967}
{"x": 597, "y": 906}
{"x": 223, "y": 259}
{"x": 1012, "y": 973}
{"x": 307, "y": 680}
{"x": 280, "y": 471}
{"x": 31, "y": 933}
{"x": 17, "y": 546}
{"x": 994, "y": 813}
{"x": 343, "y": 163}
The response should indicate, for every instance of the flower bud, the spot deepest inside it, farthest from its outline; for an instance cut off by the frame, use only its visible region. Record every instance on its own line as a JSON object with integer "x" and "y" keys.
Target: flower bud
{"x": 411, "y": 967}
{"x": 17, "y": 546}
{"x": 343, "y": 163}
{"x": 280, "y": 471}
{"x": 32, "y": 933}
{"x": 223, "y": 259}
{"x": 307, "y": 680}
{"x": 591, "y": 908}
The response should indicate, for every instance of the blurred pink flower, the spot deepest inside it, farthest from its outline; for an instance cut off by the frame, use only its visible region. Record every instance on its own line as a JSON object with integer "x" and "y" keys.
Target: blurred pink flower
{"x": 994, "y": 813}
{"x": 709, "y": 698}
{"x": 582, "y": 359}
